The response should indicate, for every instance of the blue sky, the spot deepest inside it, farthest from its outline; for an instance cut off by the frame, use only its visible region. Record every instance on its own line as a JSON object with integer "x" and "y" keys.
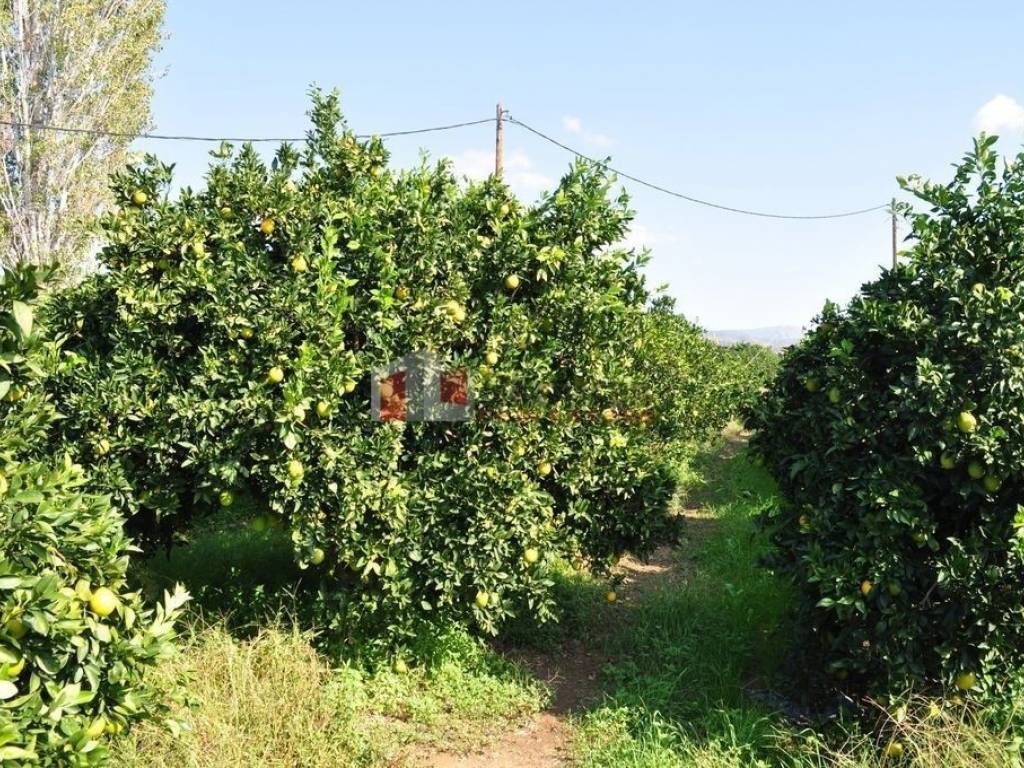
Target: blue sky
{"x": 793, "y": 107}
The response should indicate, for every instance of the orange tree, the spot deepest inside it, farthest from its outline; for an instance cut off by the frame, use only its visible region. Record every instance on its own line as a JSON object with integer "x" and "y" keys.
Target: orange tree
{"x": 73, "y": 640}
{"x": 229, "y": 343}
{"x": 686, "y": 385}
{"x": 895, "y": 432}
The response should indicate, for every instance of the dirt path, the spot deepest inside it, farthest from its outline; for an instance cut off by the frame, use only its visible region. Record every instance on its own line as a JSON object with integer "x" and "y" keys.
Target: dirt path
{"x": 573, "y": 672}
{"x": 541, "y": 743}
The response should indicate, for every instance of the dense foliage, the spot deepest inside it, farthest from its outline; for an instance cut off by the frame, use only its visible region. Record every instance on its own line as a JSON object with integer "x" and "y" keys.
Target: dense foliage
{"x": 228, "y": 347}
{"x": 751, "y": 368}
{"x": 895, "y": 431}
{"x": 688, "y": 384}
{"x": 73, "y": 642}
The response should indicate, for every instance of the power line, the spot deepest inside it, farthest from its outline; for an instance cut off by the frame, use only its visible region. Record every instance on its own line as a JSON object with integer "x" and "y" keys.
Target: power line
{"x": 689, "y": 198}
{"x": 436, "y": 128}
{"x": 219, "y": 139}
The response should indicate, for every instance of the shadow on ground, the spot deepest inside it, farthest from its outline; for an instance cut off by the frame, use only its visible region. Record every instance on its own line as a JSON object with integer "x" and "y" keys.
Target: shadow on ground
{"x": 239, "y": 574}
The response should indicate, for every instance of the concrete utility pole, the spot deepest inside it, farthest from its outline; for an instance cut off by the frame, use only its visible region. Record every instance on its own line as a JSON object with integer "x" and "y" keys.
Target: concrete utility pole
{"x": 499, "y": 142}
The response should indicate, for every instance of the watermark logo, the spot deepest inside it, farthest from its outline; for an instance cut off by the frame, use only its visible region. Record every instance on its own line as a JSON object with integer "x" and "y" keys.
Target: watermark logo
{"x": 418, "y": 388}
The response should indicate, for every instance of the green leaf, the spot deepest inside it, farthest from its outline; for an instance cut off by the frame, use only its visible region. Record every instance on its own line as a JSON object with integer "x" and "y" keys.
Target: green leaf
{"x": 17, "y": 753}
{"x": 23, "y": 318}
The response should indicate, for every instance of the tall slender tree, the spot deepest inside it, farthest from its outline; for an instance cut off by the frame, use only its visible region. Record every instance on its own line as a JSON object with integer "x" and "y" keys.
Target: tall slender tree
{"x": 80, "y": 64}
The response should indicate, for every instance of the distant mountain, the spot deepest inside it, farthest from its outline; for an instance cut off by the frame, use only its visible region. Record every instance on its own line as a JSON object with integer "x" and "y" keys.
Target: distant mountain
{"x": 775, "y": 336}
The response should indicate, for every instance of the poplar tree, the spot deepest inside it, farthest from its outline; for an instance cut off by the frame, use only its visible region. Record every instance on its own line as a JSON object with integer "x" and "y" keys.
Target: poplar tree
{"x": 84, "y": 65}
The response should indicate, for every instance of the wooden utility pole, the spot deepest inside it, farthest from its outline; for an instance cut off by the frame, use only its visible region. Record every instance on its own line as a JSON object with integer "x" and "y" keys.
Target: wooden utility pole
{"x": 499, "y": 142}
{"x": 894, "y": 238}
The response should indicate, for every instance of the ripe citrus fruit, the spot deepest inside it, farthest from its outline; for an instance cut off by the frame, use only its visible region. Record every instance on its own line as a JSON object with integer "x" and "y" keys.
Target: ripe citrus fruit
{"x": 267, "y": 226}
{"x": 812, "y": 385}
{"x": 512, "y": 282}
{"x": 246, "y": 332}
{"x": 103, "y": 447}
{"x": 610, "y": 596}
{"x": 866, "y": 587}
{"x": 804, "y": 521}
{"x": 350, "y": 386}
{"x": 455, "y": 311}
{"x": 894, "y": 750}
{"x": 978, "y": 289}
{"x": 992, "y": 483}
{"x": 946, "y": 461}
{"x": 492, "y": 358}
{"x": 544, "y": 468}
{"x": 16, "y": 628}
{"x": 482, "y": 599}
{"x": 96, "y": 728}
{"x": 225, "y": 211}
{"x": 531, "y": 555}
{"x": 608, "y": 414}
{"x": 323, "y": 409}
{"x": 299, "y": 264}
{"x": 139, "y": 197}
{"x": 975, "y": 470}
{"x": 295, "y": 469}
{"x": 402, "y": 293}
{"x": 316, "y": 556}
{"x": 387, "y": 389}
{"x": 226, "y": 498}
{"x": 103, "y": 602}
{"x": 966, "y": 422}
{"x": 966, "y": 680}
{"x": 400, "y": 667}
{"x": 275, "y": 375}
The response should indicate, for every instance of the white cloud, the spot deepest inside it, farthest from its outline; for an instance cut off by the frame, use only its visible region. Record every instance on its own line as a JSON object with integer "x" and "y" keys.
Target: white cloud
{"x": 1000, "y": 114}
{"x": 641, "y": 236}
{"x": 477, "y": 164}
{"x": 519, "y": 170}
{"x": 574, "y": 126}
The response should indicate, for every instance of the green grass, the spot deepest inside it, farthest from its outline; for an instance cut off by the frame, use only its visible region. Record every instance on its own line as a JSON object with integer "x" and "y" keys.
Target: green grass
{"x": 271, "y": 700}
{"x": 681, "y": 657}
{"x": 688, "y": 653}
{"x": 255, "y": 691}
{"x": 682, "y": 661}
{"x": 233, "y": 572}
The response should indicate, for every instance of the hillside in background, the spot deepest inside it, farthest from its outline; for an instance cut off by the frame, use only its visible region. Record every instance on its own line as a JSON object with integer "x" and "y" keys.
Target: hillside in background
{"x": 775, "y": 336}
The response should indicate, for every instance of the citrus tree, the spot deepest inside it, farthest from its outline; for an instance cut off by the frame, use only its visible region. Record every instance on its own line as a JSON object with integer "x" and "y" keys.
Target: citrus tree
{"x": 74, "y": 641}
{"x": 230, "y": 344}
{"x": 895, "y": 432}
{"x": 687, "y": 386}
